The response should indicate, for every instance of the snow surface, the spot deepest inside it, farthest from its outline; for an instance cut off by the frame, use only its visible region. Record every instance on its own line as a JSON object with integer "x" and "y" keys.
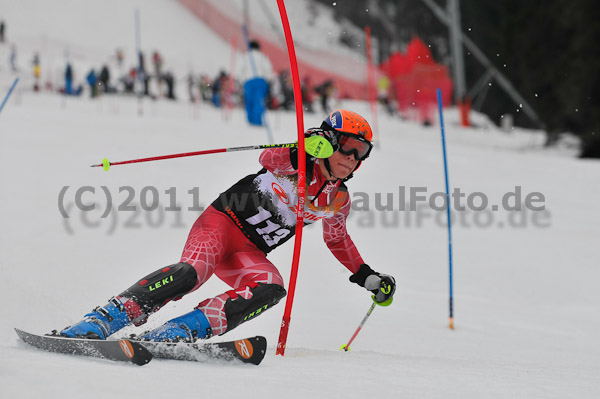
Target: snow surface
{"x": 526, "y": 297}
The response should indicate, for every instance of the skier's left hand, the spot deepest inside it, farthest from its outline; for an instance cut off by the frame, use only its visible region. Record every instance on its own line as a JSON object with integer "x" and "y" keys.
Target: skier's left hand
{"x": 382, "y": 286}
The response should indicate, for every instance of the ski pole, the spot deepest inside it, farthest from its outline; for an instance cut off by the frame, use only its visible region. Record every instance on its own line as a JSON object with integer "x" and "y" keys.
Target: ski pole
{"x": 9, "y": 92}
{"x": 362, "y": 323}
{"x": 448, "y": 214}
{"x": 316, "y": 146}
{"x": 106, "y": 164}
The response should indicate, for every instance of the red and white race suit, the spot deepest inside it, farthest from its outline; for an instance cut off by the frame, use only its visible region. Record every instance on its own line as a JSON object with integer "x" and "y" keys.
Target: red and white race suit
{"x": 257, "y": 214}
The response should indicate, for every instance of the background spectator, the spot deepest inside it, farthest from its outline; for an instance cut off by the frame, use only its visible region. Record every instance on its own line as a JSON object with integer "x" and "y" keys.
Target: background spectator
{"x": 13, "y": 58}
{"x": 68, "y": 79}
{"x": 37, "y": 72}
{"x": 92, "y": 79}
{"x": 104, "y": 80}
{"x": 219, "y": 87}
{"x": 205, "y": 89}
{"x": 286, "y": 94}
{"x": 256, "y": 71}
{"x": 308, "y": 94}
{"x": 325, "y": 90}
{"x": 170, "y": 82}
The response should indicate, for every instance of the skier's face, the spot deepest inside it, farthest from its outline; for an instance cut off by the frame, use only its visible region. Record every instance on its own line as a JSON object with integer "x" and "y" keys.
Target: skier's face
{"x": 342, "y": 165}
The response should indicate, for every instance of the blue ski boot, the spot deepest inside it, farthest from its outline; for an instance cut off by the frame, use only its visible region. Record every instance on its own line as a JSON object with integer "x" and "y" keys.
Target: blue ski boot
{"x": 100, "y": 323}
{"x": 187, "y": 328}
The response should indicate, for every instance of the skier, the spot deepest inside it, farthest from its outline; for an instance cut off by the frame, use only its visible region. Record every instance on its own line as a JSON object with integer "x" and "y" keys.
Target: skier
{"x": 232, "y": 237}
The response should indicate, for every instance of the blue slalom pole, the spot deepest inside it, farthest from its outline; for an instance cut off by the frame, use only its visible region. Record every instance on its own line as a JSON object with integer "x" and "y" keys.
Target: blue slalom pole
{"x": 451, "y": 297}
{"x": 263, "y": 115}
{"x": 8, "y": 94}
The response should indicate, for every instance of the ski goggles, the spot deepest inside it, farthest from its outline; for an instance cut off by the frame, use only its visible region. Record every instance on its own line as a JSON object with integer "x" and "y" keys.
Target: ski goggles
{"x": 352, "y": 144}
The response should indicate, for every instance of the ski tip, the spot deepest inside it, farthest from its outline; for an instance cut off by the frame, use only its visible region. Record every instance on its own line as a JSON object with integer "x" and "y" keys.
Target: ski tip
{"x": 27, "y": 337}
{"x": 20, "y": 332}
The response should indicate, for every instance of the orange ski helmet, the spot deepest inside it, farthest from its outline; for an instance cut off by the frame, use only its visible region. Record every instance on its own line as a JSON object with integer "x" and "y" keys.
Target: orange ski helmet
{"x": 350, "y": 122}
{"x": 353, "y": 133}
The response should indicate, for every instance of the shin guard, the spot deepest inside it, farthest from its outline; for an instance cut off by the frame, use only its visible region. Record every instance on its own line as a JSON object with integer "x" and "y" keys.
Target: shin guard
{"x": 157, "y": 289}
{"x": 229, "y": 310}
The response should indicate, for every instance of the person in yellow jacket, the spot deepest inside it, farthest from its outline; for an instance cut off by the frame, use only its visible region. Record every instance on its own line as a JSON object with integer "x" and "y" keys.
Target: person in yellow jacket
{"x": 37, "y": 72}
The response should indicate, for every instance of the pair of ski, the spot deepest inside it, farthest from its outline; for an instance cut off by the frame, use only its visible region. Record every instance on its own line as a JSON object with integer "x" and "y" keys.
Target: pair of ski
{"x": 248, "y": 350}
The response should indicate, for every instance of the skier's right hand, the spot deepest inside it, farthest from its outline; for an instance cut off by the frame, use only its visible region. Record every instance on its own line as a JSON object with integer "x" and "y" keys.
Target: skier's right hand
{"x": 320, "y": 143}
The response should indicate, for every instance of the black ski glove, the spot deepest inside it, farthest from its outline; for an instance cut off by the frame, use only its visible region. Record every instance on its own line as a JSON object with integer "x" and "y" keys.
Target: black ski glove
{"x": 316, "y": 143}
{"x": 382, "y": 286}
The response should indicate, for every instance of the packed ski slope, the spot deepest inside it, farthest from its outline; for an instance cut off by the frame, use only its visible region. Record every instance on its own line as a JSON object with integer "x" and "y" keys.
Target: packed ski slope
{"x": 526, "y": 283}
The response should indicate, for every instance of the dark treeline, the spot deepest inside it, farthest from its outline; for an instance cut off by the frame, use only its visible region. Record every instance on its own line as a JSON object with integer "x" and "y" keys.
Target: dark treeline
{"x": 549, "y": 51}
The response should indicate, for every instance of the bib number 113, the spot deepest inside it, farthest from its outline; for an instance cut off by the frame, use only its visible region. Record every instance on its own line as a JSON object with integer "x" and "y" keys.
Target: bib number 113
{"x": 271, "y": 232}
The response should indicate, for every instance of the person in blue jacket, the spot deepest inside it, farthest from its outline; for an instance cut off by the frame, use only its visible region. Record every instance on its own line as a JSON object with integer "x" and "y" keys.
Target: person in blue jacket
{"x": 256, "y": 73}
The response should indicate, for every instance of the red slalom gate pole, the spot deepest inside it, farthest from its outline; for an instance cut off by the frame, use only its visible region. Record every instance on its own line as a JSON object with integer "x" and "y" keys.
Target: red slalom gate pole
{"x": 285, "y": 322}
{"x": 371, "y": 83}
{"x": 106, "y": 164}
